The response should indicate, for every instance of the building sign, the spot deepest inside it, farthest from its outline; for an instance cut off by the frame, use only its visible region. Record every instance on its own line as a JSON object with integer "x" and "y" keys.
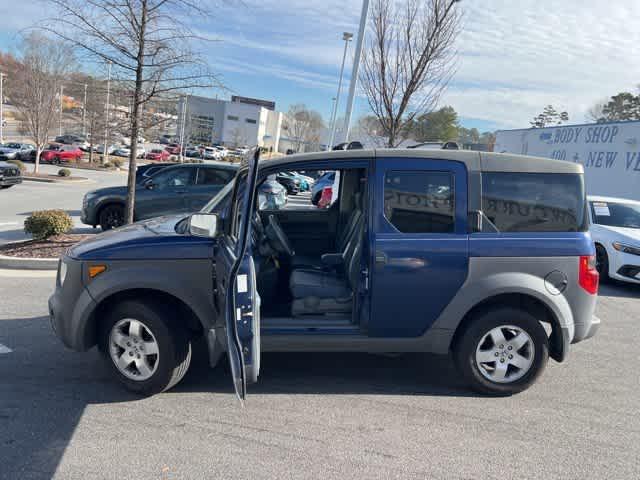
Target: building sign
{"x": 610, "y": 152}
{"x": 268, "y": 104}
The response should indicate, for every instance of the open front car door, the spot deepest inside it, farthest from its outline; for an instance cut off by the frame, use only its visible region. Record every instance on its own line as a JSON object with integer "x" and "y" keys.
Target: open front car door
{"x": 238, "y": 298}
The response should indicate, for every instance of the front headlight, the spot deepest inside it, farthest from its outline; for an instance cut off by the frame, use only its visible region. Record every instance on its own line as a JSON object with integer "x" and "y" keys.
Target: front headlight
{"x": 62, "y": 272}
{"x": 621, "y": 247}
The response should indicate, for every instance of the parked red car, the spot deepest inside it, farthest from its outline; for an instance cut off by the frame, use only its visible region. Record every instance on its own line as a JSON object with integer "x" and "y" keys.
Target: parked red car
{"x": 173, "y": 148}
{"x": 61, "y": 153}
{"x": 158, "y": 155}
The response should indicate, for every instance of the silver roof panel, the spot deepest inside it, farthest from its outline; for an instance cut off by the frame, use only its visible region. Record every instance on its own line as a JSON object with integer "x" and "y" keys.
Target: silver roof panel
{"x": 474, "y": 161}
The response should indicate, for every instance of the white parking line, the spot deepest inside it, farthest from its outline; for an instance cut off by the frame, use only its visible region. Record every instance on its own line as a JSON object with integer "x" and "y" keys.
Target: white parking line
{"x": 4, "y": 349}
{"x": 9, "y": 272}
{"x": 4, "y": 224}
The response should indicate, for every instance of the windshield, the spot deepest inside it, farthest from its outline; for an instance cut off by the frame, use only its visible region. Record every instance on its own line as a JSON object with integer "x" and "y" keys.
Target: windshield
{"x": 616, "y": 214}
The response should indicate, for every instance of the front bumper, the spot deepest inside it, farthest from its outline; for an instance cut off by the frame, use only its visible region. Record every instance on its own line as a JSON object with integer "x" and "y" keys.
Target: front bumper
{"x": 71, "y": 308}
{"x": 624, "y": 267}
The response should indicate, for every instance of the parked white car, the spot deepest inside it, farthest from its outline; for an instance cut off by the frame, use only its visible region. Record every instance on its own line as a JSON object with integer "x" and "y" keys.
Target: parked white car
{"x": 615, "y": 229}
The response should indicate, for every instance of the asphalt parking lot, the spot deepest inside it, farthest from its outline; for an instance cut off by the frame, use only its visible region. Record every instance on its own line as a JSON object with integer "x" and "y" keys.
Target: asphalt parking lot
{"x": 314, "y": 415}
{"x": 17, "y": 202}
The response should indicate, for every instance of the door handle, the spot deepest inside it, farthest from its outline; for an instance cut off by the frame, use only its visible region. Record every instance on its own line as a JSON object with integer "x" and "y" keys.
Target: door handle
{"x": 381, "y": 257}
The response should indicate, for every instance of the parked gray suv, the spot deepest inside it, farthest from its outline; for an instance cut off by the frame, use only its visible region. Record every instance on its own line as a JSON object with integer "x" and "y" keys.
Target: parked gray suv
{"x": 177, "y": 189}
{"x": 486, "y": 257}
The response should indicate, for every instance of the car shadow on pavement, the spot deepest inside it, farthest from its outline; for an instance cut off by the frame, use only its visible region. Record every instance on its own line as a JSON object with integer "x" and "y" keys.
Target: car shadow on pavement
{"x": 619, "y": 289}
{"x": 334, "y": 374}
{"x": 44, "y": 391}
{"x": 45, "y": 388}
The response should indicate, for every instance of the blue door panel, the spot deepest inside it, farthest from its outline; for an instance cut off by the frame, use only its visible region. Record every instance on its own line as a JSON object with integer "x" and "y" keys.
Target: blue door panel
{"x": 415, "y": 275}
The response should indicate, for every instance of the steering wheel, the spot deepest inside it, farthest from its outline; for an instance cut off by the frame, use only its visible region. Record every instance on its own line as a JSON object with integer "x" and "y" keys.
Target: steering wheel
{"x": 277, "y": 238}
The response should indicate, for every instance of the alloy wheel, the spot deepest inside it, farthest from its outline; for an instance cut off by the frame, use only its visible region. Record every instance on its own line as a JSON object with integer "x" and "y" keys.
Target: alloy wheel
{"x": 505, "y": 354}
{"x": 134, "y": 349}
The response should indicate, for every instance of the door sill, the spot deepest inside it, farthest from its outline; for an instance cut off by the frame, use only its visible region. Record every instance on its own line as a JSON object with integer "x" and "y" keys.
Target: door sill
{"x": 317, "y": 325}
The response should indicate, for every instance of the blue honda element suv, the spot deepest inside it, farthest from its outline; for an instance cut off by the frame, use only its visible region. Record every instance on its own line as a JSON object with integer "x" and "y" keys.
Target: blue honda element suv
{"x": 482, "y": 256}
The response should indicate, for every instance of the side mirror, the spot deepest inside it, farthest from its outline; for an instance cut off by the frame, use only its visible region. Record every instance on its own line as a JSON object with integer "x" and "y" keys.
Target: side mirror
{"x": 203, "y": 225}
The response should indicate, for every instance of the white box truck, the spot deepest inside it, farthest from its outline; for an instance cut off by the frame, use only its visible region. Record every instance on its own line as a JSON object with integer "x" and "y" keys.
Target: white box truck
{"x": 610, "y": 152}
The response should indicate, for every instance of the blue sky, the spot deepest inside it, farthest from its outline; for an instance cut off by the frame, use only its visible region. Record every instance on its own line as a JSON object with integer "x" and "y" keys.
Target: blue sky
{"x": 514, "y": 56}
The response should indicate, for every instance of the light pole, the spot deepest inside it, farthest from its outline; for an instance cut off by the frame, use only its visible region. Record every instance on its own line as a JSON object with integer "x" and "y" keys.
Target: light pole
{"x": 346, "y": 36}
{"x": 60, "y": 120}
{"x": 106, "y": 114}
{"x": 356, "y": 66}
{"x": 2, "y": 75}
{"x": 183, "y": 126}
{"x": 84, "y": 113}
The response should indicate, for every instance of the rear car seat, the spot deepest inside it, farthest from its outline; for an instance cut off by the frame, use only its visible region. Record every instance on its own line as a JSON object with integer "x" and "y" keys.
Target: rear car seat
{"x": 317, "y": 292}
{"x": 310, "y": 262}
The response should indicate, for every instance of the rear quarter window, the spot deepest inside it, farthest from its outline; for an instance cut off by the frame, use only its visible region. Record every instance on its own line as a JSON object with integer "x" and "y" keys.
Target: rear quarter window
{"x": 534, "y": 202}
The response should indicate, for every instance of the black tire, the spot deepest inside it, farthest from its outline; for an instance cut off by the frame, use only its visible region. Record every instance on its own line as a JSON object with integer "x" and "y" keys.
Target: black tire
{"x": 466, "y": 345}
{"x": 111, "y": 216}
{"x": 56, "y": 161}
{"x": 6, "y": 186}
{"x": 602, "y": 263}
{"x": 174, "y": 345}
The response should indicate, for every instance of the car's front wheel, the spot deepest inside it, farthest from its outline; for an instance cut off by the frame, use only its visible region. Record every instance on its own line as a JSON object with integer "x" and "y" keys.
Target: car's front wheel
{"x": 145, "y": 350}
{"x": 111, "y": 216}
{"x": 502, "y": 351}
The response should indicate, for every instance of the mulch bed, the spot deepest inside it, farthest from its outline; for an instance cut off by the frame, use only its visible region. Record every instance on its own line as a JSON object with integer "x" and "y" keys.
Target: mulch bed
{"x": 50, "y": 248}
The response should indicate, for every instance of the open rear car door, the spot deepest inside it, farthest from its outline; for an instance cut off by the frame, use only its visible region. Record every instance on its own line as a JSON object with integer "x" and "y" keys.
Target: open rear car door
{"x": 238, "y": 298}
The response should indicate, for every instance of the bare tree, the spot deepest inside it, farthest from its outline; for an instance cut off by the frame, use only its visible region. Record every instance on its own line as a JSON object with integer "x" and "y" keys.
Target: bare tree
{"x": 35, "y": 86}
{"x": 304, "y": 126}
{"x": 369, "y": 131}
{"x": 408, "y": 60}
{"x": 149, "y": 46}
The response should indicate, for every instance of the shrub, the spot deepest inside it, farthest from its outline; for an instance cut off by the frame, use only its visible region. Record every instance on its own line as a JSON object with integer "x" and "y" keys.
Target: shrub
{"x": 64, "y": 172}
{"x": 117, "y": 162}
{"x": 106, "y": 164}
{"x": 46, "y": 223}
{"x": 18, "y": 164}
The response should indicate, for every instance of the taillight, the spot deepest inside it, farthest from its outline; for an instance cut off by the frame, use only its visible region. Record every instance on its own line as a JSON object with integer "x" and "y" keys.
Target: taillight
{"x": 588, "y": 276}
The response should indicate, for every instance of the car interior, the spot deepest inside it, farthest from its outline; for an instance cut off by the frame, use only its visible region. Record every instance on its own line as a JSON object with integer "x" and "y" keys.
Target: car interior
{"x": 309, "y": 259}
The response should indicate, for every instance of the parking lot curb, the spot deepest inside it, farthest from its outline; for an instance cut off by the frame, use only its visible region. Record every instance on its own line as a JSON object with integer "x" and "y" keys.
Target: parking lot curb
{"x": 53, "y": 180}
{"x": 28, "y": 263}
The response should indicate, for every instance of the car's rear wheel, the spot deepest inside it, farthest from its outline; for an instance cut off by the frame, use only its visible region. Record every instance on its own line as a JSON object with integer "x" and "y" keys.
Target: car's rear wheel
{"x": 146, "y": 351}
{"x": 6, "y": 186}
{"x": 502, "y": 351}
{"x": 56, "y": 161}
{"x": 602, "y": 263}
{"x": 111, "y": 216}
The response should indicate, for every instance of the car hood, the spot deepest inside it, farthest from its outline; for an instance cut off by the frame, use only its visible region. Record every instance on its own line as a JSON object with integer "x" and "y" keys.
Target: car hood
{"x": 625, "y": 233}
{"x": 153, "y": 239}
{"x": 110, "y": 191}
{"x": 8, "y": 150}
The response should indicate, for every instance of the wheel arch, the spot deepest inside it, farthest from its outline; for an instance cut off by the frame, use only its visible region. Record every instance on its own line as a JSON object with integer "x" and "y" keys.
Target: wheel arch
{"x": 558, "y": 344}
{"x": 186, "y": 315}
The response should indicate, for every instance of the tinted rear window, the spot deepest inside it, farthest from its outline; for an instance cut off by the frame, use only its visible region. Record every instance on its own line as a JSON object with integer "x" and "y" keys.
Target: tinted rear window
{"x": 534, "y": 202}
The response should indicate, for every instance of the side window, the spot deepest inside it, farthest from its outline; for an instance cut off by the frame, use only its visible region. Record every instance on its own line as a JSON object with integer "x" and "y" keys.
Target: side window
{"x": 534, "y": 202}
{"x": 176, "y": 177}
{"x": 419, "y": 201}
{"x": 214, "y": 176}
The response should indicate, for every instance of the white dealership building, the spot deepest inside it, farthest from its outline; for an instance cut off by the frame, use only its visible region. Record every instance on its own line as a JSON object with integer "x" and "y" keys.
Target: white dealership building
{"x": 236, "y": 122}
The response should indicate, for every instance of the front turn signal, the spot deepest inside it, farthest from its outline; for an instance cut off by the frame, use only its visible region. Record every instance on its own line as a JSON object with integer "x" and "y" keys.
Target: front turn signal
{"x": 95, "y": 270}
